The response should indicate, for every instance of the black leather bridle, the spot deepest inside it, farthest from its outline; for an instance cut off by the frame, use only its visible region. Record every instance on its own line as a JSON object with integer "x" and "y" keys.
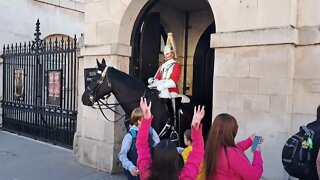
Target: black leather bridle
{"x": 94, "y": 87}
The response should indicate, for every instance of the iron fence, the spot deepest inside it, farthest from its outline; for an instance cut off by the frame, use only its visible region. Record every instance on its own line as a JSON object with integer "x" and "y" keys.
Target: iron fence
{"x": 40, "y": 89}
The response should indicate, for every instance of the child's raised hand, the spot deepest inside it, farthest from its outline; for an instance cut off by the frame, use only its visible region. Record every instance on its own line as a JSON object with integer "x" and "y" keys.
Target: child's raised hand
{"x": 145, "y": 108}
{"x": 198, "y": 114}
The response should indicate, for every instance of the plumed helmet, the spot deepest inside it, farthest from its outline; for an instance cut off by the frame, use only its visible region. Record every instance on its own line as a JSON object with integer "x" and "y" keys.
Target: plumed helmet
{"x": 170, "y": 45}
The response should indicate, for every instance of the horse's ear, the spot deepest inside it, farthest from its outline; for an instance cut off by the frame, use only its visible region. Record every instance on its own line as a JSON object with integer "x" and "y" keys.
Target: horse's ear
{"x": 98, "y": 63}
{"x": 103, "y": 62}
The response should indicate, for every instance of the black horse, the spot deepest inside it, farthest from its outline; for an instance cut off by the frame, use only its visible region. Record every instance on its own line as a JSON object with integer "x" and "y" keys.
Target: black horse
{"x": 128, "y": 90}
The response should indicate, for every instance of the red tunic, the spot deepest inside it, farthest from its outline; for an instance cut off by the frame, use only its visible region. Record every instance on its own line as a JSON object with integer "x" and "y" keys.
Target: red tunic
{"x": 175, "y": 76}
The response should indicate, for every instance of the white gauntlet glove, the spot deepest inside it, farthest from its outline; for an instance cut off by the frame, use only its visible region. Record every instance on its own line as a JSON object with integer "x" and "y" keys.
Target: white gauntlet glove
{"x": 165, "y": 84}
{"x": 159, "y": 87}
{"x": 153, "y": 83}
{"x": 151, "y": 80}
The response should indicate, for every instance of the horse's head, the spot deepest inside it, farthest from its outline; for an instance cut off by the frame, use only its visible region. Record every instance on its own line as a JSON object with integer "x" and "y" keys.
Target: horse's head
{"x": 98, "y": 87}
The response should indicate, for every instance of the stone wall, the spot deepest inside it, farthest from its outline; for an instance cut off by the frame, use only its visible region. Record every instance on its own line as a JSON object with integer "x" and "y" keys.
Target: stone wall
{"x": 265, "y": 70}
{"x": 306, "y": 72}
{"x": 18, "y": 18}
{"x": 245, "y": 15}
{"x": 254, "y": 84}
{"x": 97, "y": 141}
{"x": 54, "y": 19}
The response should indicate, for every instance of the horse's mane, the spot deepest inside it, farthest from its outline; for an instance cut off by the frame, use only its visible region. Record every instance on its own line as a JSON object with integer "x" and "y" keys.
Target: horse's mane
{"x": 127, "y": 79}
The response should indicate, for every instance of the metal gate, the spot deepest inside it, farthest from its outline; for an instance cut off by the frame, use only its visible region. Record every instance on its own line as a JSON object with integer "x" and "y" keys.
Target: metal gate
{"x": 40, "y": 89}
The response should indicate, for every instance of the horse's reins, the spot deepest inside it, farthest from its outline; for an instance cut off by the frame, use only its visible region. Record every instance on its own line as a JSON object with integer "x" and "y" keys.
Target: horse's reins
{"x": 92, "y": 95}
{"x": 92, "y": 98}
{"x": 98, "y": 84}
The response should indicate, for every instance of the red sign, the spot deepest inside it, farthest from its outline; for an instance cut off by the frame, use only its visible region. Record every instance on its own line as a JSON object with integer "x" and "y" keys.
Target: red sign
{"x": 54, "y": 88}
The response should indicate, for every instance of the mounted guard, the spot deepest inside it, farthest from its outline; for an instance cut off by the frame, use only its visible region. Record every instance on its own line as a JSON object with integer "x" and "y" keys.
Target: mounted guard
{"x": 166, "y": 80}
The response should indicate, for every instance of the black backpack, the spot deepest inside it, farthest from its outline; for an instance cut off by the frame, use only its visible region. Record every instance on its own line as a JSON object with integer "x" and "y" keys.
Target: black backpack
{"x": 296, "y": 153}
{"x": 132, "y": 153}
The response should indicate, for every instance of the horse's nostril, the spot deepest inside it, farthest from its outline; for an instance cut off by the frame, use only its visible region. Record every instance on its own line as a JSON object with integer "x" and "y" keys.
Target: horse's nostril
{"x": 86, "y": 101}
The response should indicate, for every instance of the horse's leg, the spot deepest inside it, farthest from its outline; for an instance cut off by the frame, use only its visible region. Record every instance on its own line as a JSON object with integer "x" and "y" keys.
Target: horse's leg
{"x": 161, "y": 116}
{"x": 184, "y": 123}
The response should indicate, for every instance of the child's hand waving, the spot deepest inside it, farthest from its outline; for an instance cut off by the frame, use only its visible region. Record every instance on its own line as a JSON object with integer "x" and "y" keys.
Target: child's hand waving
{"x": 198, "y": 114}
{"x": 145, "y": 108}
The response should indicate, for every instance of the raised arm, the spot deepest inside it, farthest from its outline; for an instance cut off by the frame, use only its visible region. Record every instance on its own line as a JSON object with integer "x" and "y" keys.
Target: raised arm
{"x": 144, "y": 156}
{"x": 192, "y": 166}
{"x": 245, "y": 144}
{"x": 241, "y": 165}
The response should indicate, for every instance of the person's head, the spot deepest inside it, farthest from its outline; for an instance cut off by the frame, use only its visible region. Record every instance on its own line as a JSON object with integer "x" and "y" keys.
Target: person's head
{"x": 187, "y": 137}
{"x": 165, "y": 161}
{"x": 221, "y": 134}
{"x": 168, "y": 53}
{"x": 168, "y": 56}
{"x": 136, "y": 116}
{"x": 318, "y": 112}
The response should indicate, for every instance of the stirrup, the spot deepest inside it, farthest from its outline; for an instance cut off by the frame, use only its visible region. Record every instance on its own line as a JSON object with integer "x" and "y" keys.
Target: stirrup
{"x": 174, "y": 136}
{"x": 164, "y": 129}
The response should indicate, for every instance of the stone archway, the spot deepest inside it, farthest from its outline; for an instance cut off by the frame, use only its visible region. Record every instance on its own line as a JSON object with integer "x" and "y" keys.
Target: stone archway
{"x": 132, "y": 22}
{"x": 109, "y": 35}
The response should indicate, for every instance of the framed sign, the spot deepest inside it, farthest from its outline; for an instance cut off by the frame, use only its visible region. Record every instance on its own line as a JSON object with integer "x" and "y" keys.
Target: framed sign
{"x": 19, "y": 84}
{"x": 54, "y": 88}
{"x": 89, "y": 74}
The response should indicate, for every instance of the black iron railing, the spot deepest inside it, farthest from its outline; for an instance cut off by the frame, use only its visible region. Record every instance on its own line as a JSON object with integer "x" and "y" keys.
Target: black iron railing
{"x": 40, "y": 89}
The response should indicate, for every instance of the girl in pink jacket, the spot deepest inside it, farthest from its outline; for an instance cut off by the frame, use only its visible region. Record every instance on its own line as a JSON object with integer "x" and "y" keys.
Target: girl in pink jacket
{"x": 164, "y": 163}
{"x": 225, "y": 160}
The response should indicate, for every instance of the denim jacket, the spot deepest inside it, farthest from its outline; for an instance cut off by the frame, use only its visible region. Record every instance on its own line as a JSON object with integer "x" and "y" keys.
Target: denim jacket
{"x": 125, "y": 147}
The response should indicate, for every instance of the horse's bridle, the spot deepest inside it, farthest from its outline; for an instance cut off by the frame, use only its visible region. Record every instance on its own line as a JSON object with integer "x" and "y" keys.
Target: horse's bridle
{"x": 92, "y": 98}
{"x": 92, "y": 91}
{"x": 92, "y": 94}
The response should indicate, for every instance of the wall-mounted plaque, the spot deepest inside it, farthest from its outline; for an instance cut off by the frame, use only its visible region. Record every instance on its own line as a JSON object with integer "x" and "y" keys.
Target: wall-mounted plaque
{"x": 89, "y": 74}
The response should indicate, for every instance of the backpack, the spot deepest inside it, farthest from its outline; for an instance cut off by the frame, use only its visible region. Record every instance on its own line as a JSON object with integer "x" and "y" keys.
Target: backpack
{"x": 132, "y": 153}
{"x": 296, "y": 153}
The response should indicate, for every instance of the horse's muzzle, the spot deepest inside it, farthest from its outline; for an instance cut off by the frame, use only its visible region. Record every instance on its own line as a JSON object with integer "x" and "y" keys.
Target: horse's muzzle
{"x": 86, "y": 100}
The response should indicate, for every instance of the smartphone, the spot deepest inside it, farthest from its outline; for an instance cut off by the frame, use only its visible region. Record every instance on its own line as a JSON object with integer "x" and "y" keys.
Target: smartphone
{"x": 255, "y": 143}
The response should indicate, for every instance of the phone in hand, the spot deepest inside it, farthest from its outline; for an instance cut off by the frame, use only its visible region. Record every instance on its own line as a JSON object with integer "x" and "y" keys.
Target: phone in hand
{"x": 255, "y": 143}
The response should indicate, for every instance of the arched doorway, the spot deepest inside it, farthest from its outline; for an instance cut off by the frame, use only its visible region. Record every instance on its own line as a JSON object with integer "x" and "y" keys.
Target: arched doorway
{"x": 191, "y": 22}
{"x": 203, "y": 67}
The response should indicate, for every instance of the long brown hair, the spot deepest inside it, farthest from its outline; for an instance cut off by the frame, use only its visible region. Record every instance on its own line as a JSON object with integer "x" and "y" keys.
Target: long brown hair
{"x": 165, "y": 161}
{"x": 222, "y": 134}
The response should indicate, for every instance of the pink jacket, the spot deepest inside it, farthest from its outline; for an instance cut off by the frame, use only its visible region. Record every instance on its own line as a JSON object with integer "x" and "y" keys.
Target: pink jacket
{"x": 238, "y": 167}
{"x": 190, "y": 169}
